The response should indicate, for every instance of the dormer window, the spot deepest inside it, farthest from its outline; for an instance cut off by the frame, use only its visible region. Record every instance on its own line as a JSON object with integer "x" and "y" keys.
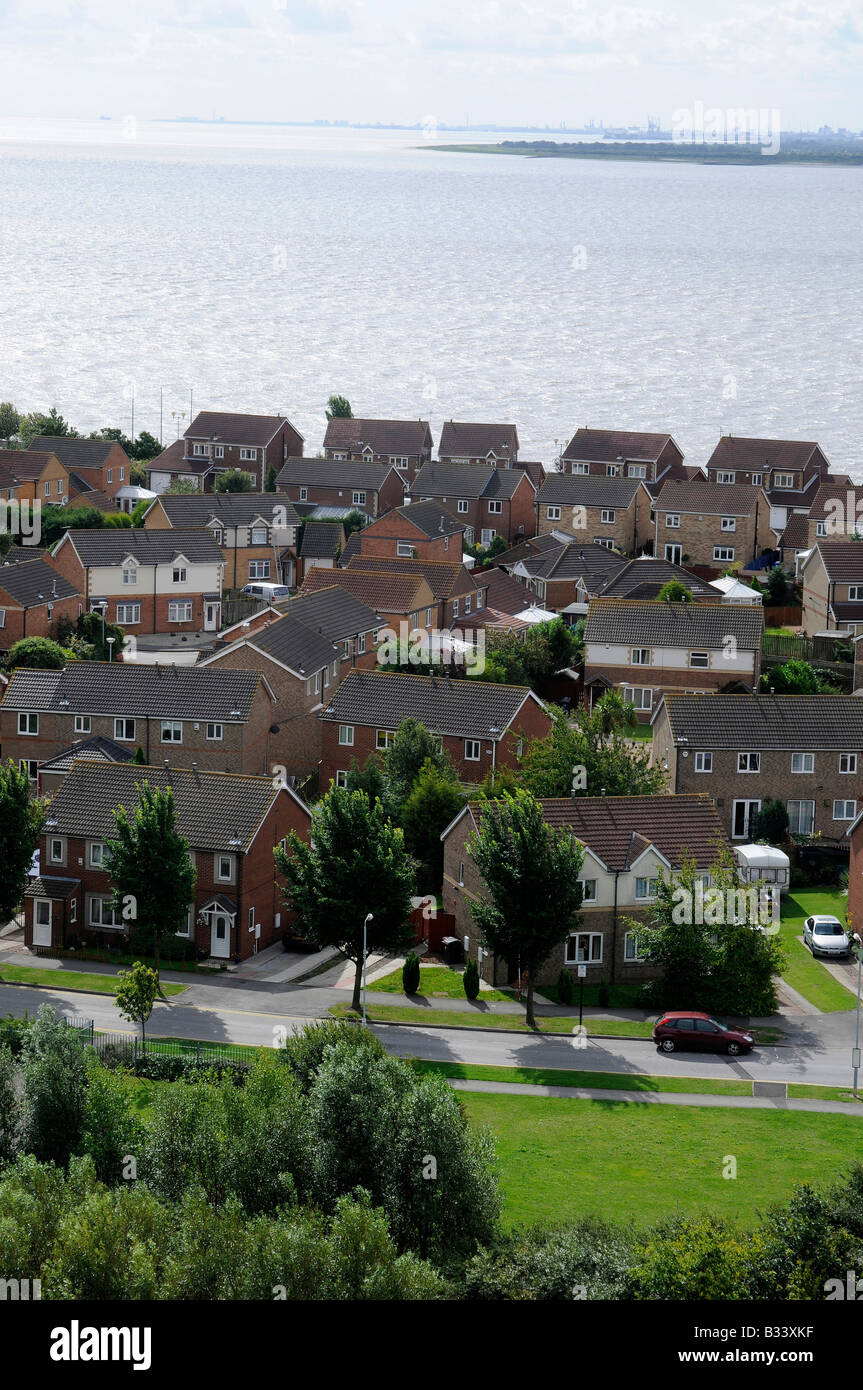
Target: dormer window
{"x": 785, "y": 480}
{"x": 259, "y": 535}
{"x": 130, "y": 574}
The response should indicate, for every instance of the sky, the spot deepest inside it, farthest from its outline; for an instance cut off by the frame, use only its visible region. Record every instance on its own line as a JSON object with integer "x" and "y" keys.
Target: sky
{"x": 433, "y": 61}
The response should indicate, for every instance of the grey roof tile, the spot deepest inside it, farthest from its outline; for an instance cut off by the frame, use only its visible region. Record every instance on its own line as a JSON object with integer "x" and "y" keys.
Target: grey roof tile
{"x": 463, "y": 708}
{"x": 687, "y": 625}
{"x": 798, "y": 722}
{"x": 161, "y": 692}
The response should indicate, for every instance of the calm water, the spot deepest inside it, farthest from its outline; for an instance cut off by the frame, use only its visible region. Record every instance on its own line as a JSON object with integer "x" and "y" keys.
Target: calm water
{"x": 264, "y": 268}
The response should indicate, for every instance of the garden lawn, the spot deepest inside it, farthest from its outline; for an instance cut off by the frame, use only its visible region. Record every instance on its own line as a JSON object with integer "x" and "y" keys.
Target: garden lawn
{"x": 436, "y": 982}
{"x": 802, "y": 972}
{"x": 69, "y": 979}
{"x": 475, "y": 1018}
{"x": 596, "y": 1080}
{"x": 564, "y": 1159}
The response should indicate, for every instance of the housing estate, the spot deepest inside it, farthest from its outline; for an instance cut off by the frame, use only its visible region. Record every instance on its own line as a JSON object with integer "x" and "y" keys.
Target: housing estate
{"x": 256, "y": 532}
{"x": 372, "y": 488}
{"x": 402, "y": 444}
{"x": 464, "y": 442}
{"x": 612, "y": 512}
{"x": 33, "y": 599}
{"x": 218, "y": 441}
{"x": 623, "y": 454}
{"x": 712, "y": 524}
{"x": 489, "y": 501}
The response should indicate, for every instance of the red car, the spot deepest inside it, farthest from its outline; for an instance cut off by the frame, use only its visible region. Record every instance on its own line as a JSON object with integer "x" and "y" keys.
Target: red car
{"x": 699, "y": 1032}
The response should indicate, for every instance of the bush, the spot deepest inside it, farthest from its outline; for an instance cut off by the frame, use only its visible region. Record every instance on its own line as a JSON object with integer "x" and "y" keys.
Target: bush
{"x": 565, "y": 987}
{"x": 470, "y": 979}
{"x": 304, "y": 1050}
{"x": 411, "y": 973}
{"x": 12, "y": 1034}
{"x": 602, "y": 995}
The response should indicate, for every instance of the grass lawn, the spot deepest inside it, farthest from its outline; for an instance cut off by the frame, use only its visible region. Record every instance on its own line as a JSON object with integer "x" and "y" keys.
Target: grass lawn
{"x": 644, "y": 733}
{"x": 436, "y": 982}
{"x": 803, "y": 973}
{"x": 601, "y": 1080}
{"x": 68, "y": 979}
{"x": 619, "y": 996}
{"x": 562, "y": 1159}
{"x": 798, "y": 1090}
{"x": 410, "y": 1013}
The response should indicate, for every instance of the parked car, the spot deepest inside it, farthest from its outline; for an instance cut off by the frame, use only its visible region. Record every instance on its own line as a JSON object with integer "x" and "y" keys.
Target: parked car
{"x": 699, "y": 1033}
{"x": 270, "y": 592}
{"x": 826, "y": 936}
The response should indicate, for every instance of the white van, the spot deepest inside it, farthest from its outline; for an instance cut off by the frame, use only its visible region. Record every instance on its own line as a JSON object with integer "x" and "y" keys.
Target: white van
{"x": 271, "y": 592}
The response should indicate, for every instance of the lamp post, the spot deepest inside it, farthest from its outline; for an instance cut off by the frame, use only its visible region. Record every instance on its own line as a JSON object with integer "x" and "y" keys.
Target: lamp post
{"x": 494, "y": 731}
{"x": 369, "y": 918}
{"x": 111, "y": 641}
{"x": 856, "y": 1054}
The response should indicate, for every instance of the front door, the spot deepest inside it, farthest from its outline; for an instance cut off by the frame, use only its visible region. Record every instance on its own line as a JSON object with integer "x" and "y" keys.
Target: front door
{"x": 744, "y": 818}
{"x": 42, "y": 922}
{"x": 220, "y": 935}
{"x": 212, "y": 612}
{"x": 674, "y": 554}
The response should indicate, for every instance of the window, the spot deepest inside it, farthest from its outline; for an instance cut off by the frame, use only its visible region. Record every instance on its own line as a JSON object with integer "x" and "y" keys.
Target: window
{"x": 553, "y": 513}
{"x": 455, "y": 607}
{"x": 304, "y": 494}
{"x": 361, "y": 644}
{"x": 121, "y": 473}
{"x": 130, "y": 574}
{"x": 723, "y": 552}
{"x": 399, "y": 462}
{"x": 224, "y": 868}
{"x": 405, "y": 549}
{"x": 248, "y": 455}
{"x": 640, "y": 697}
{"x": 748, "y": 762}
{"x": 110, "y": 475}
{"x": 802, "y": 762}
{"x": 588, "y": 890}
{"x": 756, "y": 479}
{"x": 428, "y": 617}
{"x": 783, "y": 479}
{"x": 73, "y": 910}
{"x": 214, "y": 733}
{"x": 200, "y": 450}
{"x": 673, "y": 553}
{"x": 637, "y": 470}
{"x": 57, "y": 851}
{"x": 259, "y": 535}
{"x": 104, "y": 914}
{"x": 48, "y": 489}
{"x": 178, "y": 575}
{"x": 28, "y": 724}
{"x": 605, "y": 541}
{"x": 359, "y": 499}
{"x": 467, "y": 605}
{"x": 725, "y": 477}
{"x": 124, "y": 729}
{"x": 2, "y": 617}
{"x": 97, "y": 854}
{"x": 640, "y": 656}
{"x": 801, "y": 817}
{"x": 645, "y": 888}
{"x": 180, "y": 612}
{"x": 672, "y": 520}
{"x": 855, "y": 593}
{"x": 30, "y": 766}
{"x": 821, "y": 528}
{"x": 341, "y": 779}
{"x": 699, "y": 660}
{"x": 462, "y": 505}
{"x": 844, "y": 810}
{"x": 472, "y": 750}
{"x": 581, "y": 468}
{"x": 607, "y": 516}
{"x": 611, "y": 470}
{"x": 729, "y": 523}
{"x": 847, "y": 762}
{"x": 704, "y": 762}
{"x": 259, "y": 569}
{"x": 631, "y": 952}
{"x": 584, "y": 947}
{"x": 346, "y": 735}
{"x": 488, "y": 536}
{"x": 172, "y": 731}
{"x": 218, "y": 535}
{"x": 128, "y": 614}
{"x": 495, "y": 508}
{"x": 384, "y": 737}
{"x": 220, "y": 451}
{"x": 43, "y": 912}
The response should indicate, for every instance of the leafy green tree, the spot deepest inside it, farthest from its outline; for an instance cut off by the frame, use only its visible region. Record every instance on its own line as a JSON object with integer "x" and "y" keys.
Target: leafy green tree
{"x": 675, "y": 591}
{"x": 470, "y": 979}
{"x": 412, "y": 748}
{"x": 354, "y": 521}
{"x": 548, "y": 647}
{"x": 369, "y": 778}
{"x": 795, "y": 677}
{"x": 411, "y": 973}
{"x": 531, "y": 876}
{"x": 37, "y": 423}
{"x": 10, "y": 1108}
{"x": 89, "y": 628}
{"x": 270, "y": 480}
{"x": 57, "y": 520}
{"x": 589, "y": 754}
{"x": 339, "y": 408}
{"x": 535, "y": 1262}
{"x": 150, "y": 869}
{"x": 182, "y": 487}
{"x": 136, "y": 995}
{"x": 305, "y": 1048}
{"x": 771, "y": 823}
{"x": 10, "y": 420}
{"x": 107, "y": 1248}
{"x": 111, "y": 1130}
{"x": 780, "y": 588}
{"x": 356, "y": 864}
{"x": 435, "y": 800}
{"x": 21, "y": 821}
{"x": 55, "y": 1087}
{"x": 234, "y": 480}
{"x": 38, "y": 653}
{"x": 139, "y": 757}
{"x": 693, "y": 1258}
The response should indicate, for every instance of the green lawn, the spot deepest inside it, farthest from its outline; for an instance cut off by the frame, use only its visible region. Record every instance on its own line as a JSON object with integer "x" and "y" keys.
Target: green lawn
{"x": 595, "y": 1080}
{"x": 436, "y": 982}
{"x": 563, "y": 1159}
{"x": 415, "y": 1013}
{"x": 68, "y": 979}
{"x": 803, "y": 973}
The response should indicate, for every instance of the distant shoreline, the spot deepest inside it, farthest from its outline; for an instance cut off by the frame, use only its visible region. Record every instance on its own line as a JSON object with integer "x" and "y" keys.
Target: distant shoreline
{"x": 790, "y": 152}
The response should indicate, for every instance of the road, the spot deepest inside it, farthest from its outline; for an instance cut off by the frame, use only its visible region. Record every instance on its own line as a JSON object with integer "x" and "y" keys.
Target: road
{"x": 222, "y": 1015}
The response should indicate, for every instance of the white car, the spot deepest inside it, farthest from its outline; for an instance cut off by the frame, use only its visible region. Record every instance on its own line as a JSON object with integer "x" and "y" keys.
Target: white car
{"x": 826, "y": 936}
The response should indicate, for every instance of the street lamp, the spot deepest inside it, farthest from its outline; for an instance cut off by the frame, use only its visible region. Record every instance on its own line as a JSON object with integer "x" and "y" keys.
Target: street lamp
{"x": 856, "y": 1054}
{"x": 369, "y": 918}
{"x": 111, "y": 641}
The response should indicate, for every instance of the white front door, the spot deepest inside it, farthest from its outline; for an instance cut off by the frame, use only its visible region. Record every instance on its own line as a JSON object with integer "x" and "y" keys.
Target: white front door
{"x": 42, "y": 922}
{"x": 674, "y": 553}
{"x": 220, "y": 934}
{"x": 211, "y": 616}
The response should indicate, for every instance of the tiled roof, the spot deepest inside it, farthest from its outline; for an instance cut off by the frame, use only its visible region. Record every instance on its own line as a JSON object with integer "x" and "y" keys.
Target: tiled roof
{"x": 427, "y": 517}
{"x": 838, "y": 501}
{"x": 687, "y": 625}
{"x": 52, "y": 887}
{"x": 294, "y": 645}
{"x": 333, "y": 473}
{"x": 22, "y": 465}
{"x": 442, "y": 576}
{"x": 76, "y": 453}
{"x": 173, "y": 460}
{"x": 322, "y": 540}
{"x": 111, "y": 545}
{"x": 646, "y": 575}
{"x": 709, "y": 499}
{"x": 798, "y": 722}
{"x": 795, "y": 497}
{"x": 230, "y": 508}
{"x": 732, "y": 451}
{"x": 619, "y": 828}
{"x": 334, "y": 613}
{"x": 585, "y": 490}
{"x": 796, "y": 533}
{"x": 463, "y": 709}
{"x": 160, "y": 692}
{"x": 351, "y": 547}
{"x": 33, "y": 584}
{"x": 843, "y": 561}
{"x": 20, "y": 554}
{"x": 98, "y": 749}
{"x": 213, "y": 808}
{"x": 575, "y": 560}
{"x": 608, "y": 446}
{"x": 467, "y": 480}
{"x": 534, "y": 545}
{"x": 384, "y": 436}
{"x": 506, "y": 595}
{"x": 459, "y": 439}
{"x": 231, "y": 428}
{"x": 384, "y": 592}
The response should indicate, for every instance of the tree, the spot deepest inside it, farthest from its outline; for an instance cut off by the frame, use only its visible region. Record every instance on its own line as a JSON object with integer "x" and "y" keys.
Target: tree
{"x": 354, "y": 521}
{"x": 150, "y": 869}
{"x": 369, "y": 778}
{"x": 234, "y": 480}
{"x": 21, "y": 821}
{"x": 57, "y": 520}
{"x": 614, "y": 715}
{"x": 91, "y": 629}
{"x": 10, "y": 1107}
{"x": 411, "y": 973}
{"x": 356, "y": 864}
{"x": 771, "y": 823}
{"x": 435, "y": 800}
{"x": 675, "y": 591}
{"x": 10, "y": 420}
{"x": 55, "y": 1085}
{"x": 531, "y": 873}
{"x": 136, "y": 995}
{"x": 548, "y": 648}
{"x": 589, "y": 754}
{"x": 39, "y": 653}
{"x": 795, "y": 677}
{"x": 339, "y": 408}
{"x": 270, "y": 480}
{"x": 780, "y": 588}
{"x": 146, "y": 446}
{"x": 410, "y": 750}
{"x": 36, "y": 424}
{"x": 182, "y": 487}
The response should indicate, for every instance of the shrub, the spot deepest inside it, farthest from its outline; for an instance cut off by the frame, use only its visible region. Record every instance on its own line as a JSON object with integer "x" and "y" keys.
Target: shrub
{"x": 470, "y": 979}
{"x": 602, "y": 995}
{"x": 55, "y": 1084}
{"x": 411, "y": 973}
{"x": 565, "y": 987}
{"x": 304, "y": 1050}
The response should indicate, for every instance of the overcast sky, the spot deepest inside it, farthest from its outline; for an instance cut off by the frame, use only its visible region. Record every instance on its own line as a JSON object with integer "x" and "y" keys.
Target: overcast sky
{"x": 507, "y": 61}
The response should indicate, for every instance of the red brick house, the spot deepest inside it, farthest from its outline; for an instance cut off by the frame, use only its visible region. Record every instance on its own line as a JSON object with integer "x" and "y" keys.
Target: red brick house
{"x": 98, "y": 466}
{"x": 489, "y": 501}
{"x": 398, "y": 598}
{"x": 422, "y": 531}
{"x": 357, "y": 486}
{"x": 31, "y": 474}
{"x": 33, "y": 597}
{"x": 457, "y": 591}
{"x": 481, "y": 725}
{"x": 623, "y": 454}
{"x": 463, "y": 442}
{"x": 218, "y": 441}
{"x": 149, "y": 581}
{"x": 402, "y": 444}
{"x": 232, "y": 823}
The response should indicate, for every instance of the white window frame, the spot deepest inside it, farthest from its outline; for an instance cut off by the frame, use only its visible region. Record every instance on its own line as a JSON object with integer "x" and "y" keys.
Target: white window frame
{"x": 672, "y": 521}
{"x": 844, "y": 813}
{"x": 725, "y": 477}
{"x": 96, "y": 854}
{"x": 125, "y": 609}
{"x": 358, "y": 498}
{"x": 783, "y": 480}
{"x": 631, "y": 953}
{"x": 723, "y": 553}
{"x": 607, "y": 516}
{"x": 179, "y": 574}
{"x": 341, "y": 778}
{"x": 855, "y": 593}
{"x": 850, "y": 761}
{"x": 248, "y": 455}
{"x": 346, "y": 735}
{"x": 794, "y": 816}
{"x": 123, "y": 737}
{"x": 754, "y": 805}
{"x": 552, "y": 513}
{"x": 259, "y": 536}
{"x": 60, "y": 842}
{"x": 404, "y": 550}
{"x": 259, "y": 569}
{"x": 645, "y": 889}
{"x": 495, "y": 508}
{"x": 219, "y": 860}
{"x": 804, "y": 758}
{"x": 728, "y": 523}
{"x": 173, "y": 728}
{"x": 173, "y": 610}
{"x": 28, "y": 724}
{"x": 99, "y": 904}
{"x": 462, "y": 505}
{"x": 130, "y": 574}
{"x": 469, "y": 745}
{"x": 745, "y": 762}
{"x": 384, "y": 738}
{"x": 699, "y": 665}
{"x": 588, "y": 890}
{"x": 215, "y": 733}
{"x": 704, "y": 762}
{"x": 573, "y": 948}
{"x": 42, "y": 903}
{"x": 636, "y": 654}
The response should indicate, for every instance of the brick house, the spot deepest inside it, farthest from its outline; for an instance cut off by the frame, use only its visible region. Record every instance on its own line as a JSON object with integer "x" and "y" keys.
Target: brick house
{"x": 28, "y": 474}
{"x": 256, "y": 532}
{"x": 805, "y": 750}
{"x": 836, "y": 513}
{"x": 99, "y": 466}
{"x": 232, "y": 823}
{"x": 151, "y": 581}
{"x": 613, "y": 512}
{"x": 373, "y": 488}
{"x": 646, "y": 576}
{"x": 831, "y": 578}
{"x": 489, "y": 501}
{"x": 462, "y": 442}
{"x": 33, "y": 598}
{"x": 481, "y": 725}
{"x": 220, "y": 720}
{"x": 623, "y": 454}
{"x": 98, "y": 749}
{"x": 457, "y": 591}
{"x": 422, "y": 531}
{"x": 398, "y": 598}
{"x": 628, "y": 842}
{"x": 648, "y": 649}
{"x": 402, "y": 444}
{"x": 789, "y": 471}
{"x": 217, "y": 441}
{"x": 712, "y": 524}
